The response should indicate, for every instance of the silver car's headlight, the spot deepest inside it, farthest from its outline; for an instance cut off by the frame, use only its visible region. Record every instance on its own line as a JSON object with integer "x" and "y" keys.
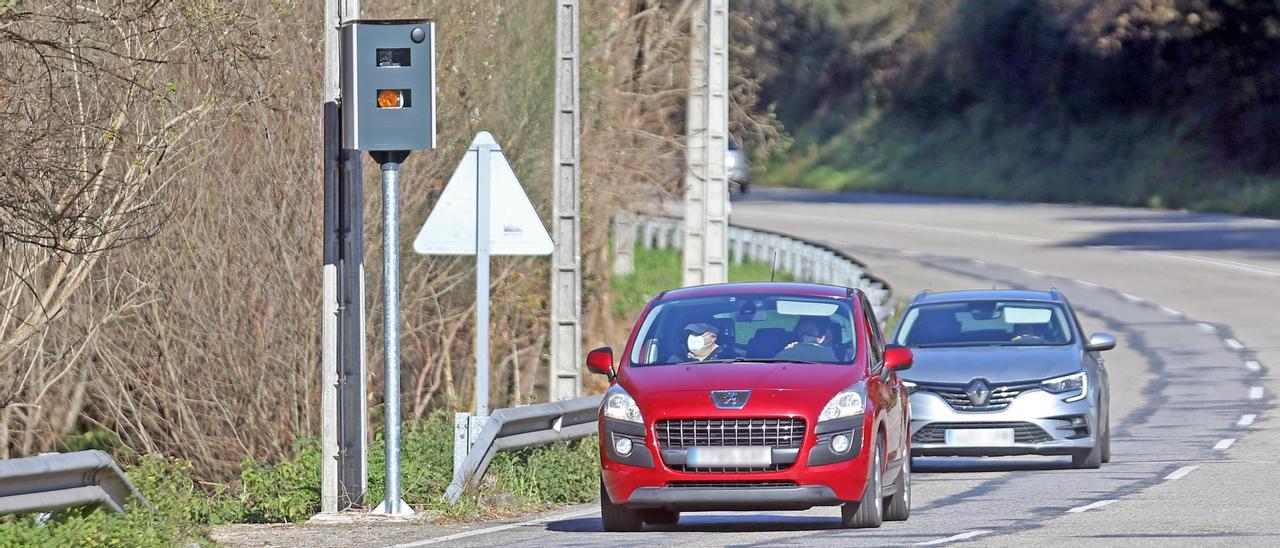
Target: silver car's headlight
{"x": 849, "y": 402}
{"x": 1069, "y": 383}
{"x": 910, "y": 386}
{"x": 618, "y": 404}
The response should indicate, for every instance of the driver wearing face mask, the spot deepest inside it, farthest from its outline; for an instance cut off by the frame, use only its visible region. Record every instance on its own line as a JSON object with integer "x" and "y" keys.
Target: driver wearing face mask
{"x": 700, "y": 341}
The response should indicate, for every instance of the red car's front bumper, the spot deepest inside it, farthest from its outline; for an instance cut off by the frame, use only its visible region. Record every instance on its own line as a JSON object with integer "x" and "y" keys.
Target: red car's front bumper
{"x": 803, "y": 484}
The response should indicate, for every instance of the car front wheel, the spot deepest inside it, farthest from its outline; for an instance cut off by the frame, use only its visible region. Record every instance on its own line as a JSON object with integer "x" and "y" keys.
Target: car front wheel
{"x": 617, "y": 518}
{"x": 868, "y": 513}
{"x": 897, "y": 507}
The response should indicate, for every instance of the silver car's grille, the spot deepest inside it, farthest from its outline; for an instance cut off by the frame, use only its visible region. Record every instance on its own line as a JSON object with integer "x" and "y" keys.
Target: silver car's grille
{"x": 680, "y": 433}
{"x": 954, "y": 394}
{"x": 1023, "y": 432}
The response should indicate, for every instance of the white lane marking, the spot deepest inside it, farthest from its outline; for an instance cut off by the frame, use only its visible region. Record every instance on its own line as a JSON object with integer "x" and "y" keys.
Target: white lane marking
{"x": 1246, "y": 419}
{"x": 978, "y": 262}
{"x": 1091, "y": 506}
{"x": 1086, "y": 284}
{"x": 1255, "y": 392}
{"x": 1252, "y": 365}
{"x": 913, "y": 226}
{"x": 1224, "y": 444}
{"x": 1179, "y": 473}
{"x": 1171, "y": 311}
{"x": 1207, "y": 328}
{"x": 910, "y": 252}
{"x": 1032, "y": 272}
{"x": 1233, "y": 344}
{"x": 953, "y": 538}
{"x": 1243, "y": 267}
{"x": 495, "y": 529}
{"x": 1101, "y": 247}
{"x": 1131, "y": 298}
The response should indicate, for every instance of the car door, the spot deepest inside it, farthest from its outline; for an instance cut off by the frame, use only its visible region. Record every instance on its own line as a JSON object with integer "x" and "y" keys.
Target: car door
{"x": 887, "y": 387}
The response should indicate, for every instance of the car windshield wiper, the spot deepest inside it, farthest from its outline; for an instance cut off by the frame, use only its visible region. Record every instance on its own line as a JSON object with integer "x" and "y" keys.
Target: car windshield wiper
{"x": 755, "y": 360}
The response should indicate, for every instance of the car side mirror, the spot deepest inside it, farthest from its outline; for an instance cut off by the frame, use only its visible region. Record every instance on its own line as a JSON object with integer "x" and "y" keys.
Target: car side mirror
{"x": 1099, "y": 342}
{"x": 898, "y": 357}
{"x": 600, "y": 361}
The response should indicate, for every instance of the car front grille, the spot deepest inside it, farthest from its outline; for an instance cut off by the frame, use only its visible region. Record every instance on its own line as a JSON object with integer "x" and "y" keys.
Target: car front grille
{"x": 1023, "y": 432}
{"x": 778, "y": 433}
{"x": 958, "y": 399}
{"x": 748, "y": 432}
{"x": 731, "y": 484}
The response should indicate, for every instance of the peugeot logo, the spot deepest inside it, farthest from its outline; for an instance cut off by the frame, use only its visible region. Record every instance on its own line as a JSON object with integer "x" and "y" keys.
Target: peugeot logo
{"x": 979, "y": 392}
{"x": 730, "y": 399}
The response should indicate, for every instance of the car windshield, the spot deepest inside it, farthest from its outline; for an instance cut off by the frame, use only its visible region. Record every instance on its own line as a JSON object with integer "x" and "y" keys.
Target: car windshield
{"x": 747, "y": 328}
{"x": 985, "y": 323}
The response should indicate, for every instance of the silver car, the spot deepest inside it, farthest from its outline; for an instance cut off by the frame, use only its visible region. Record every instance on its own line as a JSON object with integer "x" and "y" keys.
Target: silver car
{"x": 739, "y": 171}
{"x": 1004, "y": 372}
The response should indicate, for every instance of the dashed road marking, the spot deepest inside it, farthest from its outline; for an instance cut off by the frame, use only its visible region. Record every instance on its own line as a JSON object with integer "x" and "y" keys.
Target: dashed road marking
{"x": 978, "y": 262}
{"x": 1224, "y": 444}
{"x": 1255, "y": 392}
{"x": 1207, "y": 328}
{"x": 495, "y": 529}
{"x": 1253, "y": 365}
{"x": 1171, "y": 311}
{"x": 1233, "y": 344}
{"x": 1131, "y": 298}
{"x": 910, "y": 252}
{"x": 1092, "y": 505}
{"x": 1086, "y": 284}
{"x": 953, "y": 538}
{"x": 1033, "y": 272}
{"x": 1180, "y": 473}
{"x": 1246, "y": 419}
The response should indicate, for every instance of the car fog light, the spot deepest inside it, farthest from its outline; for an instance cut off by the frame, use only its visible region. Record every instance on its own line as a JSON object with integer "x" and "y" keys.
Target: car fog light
{"x": 622, "y": 446}
{"x": 840, "y": 443}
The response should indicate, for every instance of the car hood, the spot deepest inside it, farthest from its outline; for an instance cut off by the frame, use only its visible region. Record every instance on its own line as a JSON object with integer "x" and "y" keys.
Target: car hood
{"x": 825, "y": 378}
{"x": 961, "y": 365}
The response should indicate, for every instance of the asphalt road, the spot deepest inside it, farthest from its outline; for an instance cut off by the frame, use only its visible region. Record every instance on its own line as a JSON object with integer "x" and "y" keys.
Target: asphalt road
{"x": 1195, "y": 303}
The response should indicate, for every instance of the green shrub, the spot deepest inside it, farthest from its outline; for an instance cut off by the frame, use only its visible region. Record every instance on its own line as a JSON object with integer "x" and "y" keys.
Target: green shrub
{"x": 177, "y": 509}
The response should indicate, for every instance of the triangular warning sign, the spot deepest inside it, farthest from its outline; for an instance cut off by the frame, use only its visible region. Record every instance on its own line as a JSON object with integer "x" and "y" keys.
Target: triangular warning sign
{"x": 514, "y": 225}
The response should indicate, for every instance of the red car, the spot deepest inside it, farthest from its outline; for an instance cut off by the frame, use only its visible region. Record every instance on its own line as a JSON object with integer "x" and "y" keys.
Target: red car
{"x": 754, "y": 396}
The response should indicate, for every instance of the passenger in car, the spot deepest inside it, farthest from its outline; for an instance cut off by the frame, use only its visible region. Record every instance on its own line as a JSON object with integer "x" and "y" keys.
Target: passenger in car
{"x": 700, "y": 340}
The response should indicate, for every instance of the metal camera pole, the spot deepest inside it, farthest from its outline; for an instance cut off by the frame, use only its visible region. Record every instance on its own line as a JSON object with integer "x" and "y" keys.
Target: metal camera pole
{"x": 390, "y": 162}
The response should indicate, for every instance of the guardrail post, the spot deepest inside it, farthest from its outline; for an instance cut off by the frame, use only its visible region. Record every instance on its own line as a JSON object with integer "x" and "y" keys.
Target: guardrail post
{"x": 624, "y": 244}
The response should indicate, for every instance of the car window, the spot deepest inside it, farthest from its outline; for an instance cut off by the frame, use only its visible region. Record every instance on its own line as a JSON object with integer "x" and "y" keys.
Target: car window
{"x": 985, "y": 322}
{"x": 876, "y": 339}
{"x": 748, "y": 327}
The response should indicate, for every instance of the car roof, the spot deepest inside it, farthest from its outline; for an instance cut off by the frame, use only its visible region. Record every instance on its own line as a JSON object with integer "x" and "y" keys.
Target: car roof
{"x": 764, "y": 288}
{"x": 988, "y": 294}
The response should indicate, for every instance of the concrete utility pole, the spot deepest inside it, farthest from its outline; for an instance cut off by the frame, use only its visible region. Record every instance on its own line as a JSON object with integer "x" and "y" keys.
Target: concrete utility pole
{"x": 344, "y": 420}
{"x": 706, "y": 198}
{"x": 566, "y": 265}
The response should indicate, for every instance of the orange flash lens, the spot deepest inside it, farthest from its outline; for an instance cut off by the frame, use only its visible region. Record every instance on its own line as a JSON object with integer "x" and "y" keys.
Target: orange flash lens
{"x": 390, "y": 98}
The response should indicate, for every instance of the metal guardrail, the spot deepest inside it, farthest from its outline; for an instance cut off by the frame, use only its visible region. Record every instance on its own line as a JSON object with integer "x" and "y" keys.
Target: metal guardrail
{"x": 803, "y": 260}
{"x": 62, "y": 480}
{"x": 514, "y": 427}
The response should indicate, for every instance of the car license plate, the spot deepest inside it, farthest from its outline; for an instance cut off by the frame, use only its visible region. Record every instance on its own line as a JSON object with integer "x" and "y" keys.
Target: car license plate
{"x": 730, "y": 456}
{"x": 985, "y": 437}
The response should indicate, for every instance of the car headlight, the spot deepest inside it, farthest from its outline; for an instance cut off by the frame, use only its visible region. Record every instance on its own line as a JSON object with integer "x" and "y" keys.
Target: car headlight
{"x": 618, "y": 404}
{"x": 849, "y": 402}
{"x": 1068, "y": 383}
{"x": 730, "y": 161}
{"x": 910, "y": 386}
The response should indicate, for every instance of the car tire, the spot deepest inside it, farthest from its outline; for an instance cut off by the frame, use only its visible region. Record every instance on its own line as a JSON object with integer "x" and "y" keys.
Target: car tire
{"x": 660, "y": 517}
{"x": 897, "y": 507}
{"x": 744, "y": 187}
{"x": 1106, "y": 439}
{"x": 868, "y": 513}
{"x": 1090, "y": 459}
{"x": 617, "y": 518}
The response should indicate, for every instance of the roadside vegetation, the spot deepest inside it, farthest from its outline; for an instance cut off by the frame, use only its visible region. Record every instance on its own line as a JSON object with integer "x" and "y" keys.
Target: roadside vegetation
{"x": 657, "y": 270}
{"x": 1160, "y": 103}
{"x": 181, "y": 509}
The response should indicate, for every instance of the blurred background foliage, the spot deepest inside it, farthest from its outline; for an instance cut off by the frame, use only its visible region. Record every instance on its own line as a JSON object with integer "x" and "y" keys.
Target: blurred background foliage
{"x": 1165, "y": 103}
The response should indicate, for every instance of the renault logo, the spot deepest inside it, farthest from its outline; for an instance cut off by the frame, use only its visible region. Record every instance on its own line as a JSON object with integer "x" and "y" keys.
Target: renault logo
{"x": 979, "y": 392}
{"x": 730, "y": 399}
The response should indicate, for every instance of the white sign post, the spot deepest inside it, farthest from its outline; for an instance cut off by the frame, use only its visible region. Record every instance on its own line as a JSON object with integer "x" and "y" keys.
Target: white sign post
{"x": 483, "y": 211}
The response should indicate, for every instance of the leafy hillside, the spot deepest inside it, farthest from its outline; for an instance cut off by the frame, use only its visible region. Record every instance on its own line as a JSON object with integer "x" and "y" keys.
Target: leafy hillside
{"x": 1163, "y": 103}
